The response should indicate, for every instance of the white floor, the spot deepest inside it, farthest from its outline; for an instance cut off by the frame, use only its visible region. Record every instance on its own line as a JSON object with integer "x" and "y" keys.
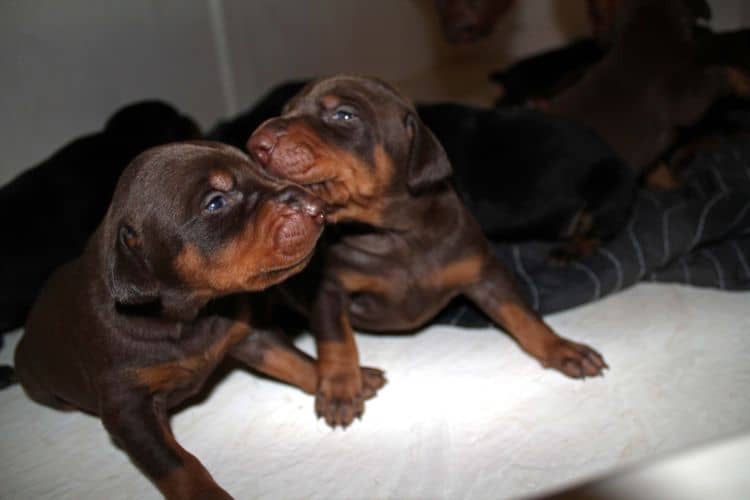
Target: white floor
{"x": 465, "y": 414}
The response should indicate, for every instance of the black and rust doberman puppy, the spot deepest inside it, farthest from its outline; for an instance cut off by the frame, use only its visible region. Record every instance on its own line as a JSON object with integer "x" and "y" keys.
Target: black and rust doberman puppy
{"x": 122, "y": 331}
{"x": 528, "y": 175}
{"x": 523, "y": 174}
{"x": 361, "y": 147}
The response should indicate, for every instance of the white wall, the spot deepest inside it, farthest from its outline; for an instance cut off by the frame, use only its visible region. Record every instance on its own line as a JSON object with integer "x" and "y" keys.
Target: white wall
{"x": 65, "y": 66}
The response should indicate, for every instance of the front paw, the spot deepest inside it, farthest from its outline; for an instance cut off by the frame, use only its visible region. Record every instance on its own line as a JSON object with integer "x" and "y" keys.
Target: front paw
{"x": 341, "y": 396}
{"x": 573, "y": 359}
{"x": 571, "y": 251}
{"x": 372, "y": 380}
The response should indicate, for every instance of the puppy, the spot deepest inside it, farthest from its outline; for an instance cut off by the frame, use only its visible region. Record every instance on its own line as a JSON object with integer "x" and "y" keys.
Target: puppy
{"x": 661, "y": 73}
{"x": 361, "y": 147}
{"x": 124, "y": 331}
{"x": 522, "y": 174}
{"x": 71, "y": 192}
{"x": 528, "y": 175}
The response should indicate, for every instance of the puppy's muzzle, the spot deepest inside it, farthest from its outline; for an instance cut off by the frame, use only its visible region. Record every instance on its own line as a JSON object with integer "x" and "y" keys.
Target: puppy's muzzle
{"x": 263, "y": 141}
{"x": 303, "y": 202}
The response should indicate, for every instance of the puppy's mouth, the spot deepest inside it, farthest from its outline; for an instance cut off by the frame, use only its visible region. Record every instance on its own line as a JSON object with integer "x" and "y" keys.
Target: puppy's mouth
{"x": 277, "y": 274}
{"x": 333, "y": 191}
{"x": 319, "y": 180}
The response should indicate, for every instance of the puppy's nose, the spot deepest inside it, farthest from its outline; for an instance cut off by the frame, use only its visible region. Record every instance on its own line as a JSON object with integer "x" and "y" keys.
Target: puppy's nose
{"x": 261, "y": 143}
{"x": 303, "y": 202}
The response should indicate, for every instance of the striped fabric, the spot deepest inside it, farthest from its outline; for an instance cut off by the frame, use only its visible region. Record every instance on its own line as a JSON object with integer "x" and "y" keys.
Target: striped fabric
{"x": 698, "y": 235}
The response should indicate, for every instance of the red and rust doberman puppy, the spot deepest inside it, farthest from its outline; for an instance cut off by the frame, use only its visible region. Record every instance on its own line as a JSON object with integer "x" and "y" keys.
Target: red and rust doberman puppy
{"x": 361, "y": 147}
{"x": 124, "y": 331}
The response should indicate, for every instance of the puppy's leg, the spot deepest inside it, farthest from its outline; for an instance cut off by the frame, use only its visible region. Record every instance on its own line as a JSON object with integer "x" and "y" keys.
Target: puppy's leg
{"x": 608, "y": 195}
{"x": 341, "y": 389}
{"x": 271, "y": 353}
{"x": 578, "y": 242}
{"x": 495, "y": 294}
{"x": 140, "y": 426}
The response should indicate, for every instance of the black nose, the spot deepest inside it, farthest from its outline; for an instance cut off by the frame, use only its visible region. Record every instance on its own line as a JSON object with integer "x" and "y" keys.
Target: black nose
{"x": 303, "y": 202}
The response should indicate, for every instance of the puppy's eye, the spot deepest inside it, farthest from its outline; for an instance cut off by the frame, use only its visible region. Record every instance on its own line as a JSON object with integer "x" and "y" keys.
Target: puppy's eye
{"x": 215, "y": 202}
{"x": 344, "y": 114}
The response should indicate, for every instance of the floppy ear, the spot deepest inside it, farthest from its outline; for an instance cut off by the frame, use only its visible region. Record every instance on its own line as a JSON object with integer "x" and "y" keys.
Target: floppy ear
{"x": 133, "y": 283}
{"x": 131, "y": 279}
{"x": 428, "y": 164}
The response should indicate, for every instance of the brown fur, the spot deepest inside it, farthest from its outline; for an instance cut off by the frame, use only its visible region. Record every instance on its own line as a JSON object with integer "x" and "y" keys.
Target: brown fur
{"x": 419, "y": 248}
{"x": 125, "y": 332}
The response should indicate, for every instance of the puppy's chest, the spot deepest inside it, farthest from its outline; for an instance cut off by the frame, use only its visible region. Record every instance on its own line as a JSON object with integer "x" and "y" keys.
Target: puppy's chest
{"x": 185, "y": 368}
{"x": 393, "y": 284}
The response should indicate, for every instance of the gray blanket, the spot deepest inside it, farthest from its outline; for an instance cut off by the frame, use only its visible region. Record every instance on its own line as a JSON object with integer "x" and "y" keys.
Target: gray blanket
{"x": 697, "y": 235}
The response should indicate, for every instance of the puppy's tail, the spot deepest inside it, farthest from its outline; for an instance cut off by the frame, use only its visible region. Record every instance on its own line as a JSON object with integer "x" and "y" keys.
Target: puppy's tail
{"x": 7, "y": 376}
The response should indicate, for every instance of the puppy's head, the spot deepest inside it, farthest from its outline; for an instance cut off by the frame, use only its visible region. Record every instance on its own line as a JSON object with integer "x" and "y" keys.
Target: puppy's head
{"x": 193, "y": 221}
{"x": 356, "y": 143}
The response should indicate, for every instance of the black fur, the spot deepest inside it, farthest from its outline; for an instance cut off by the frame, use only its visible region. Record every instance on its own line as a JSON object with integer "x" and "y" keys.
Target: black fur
{"x": 48, "y": 212}
{"x": 525, "y": 174}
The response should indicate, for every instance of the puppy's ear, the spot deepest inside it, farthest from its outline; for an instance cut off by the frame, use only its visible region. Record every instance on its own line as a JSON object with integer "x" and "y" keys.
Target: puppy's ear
{"x": 131, "y": 279}
{"x": 428, "y": 164}
{"x": 133, "y": 283}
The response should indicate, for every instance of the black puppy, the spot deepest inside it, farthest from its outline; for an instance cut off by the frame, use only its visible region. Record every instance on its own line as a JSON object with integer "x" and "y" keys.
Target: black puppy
{"x": 48, "y": 212}
{"x": 524, "y": 174}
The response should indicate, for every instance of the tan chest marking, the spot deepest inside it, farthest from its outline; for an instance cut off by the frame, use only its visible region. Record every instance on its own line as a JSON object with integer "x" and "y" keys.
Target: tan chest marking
{"x": 358, "y": 282}
{"x": 456, "y": 274}
{"x": 171, "y": 375}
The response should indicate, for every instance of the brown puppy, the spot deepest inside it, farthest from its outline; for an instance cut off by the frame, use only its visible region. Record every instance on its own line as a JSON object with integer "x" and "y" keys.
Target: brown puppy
{"x": 661, "y": 73}
{"x": 362, "y": 148}
{"x": 119, "y": 332}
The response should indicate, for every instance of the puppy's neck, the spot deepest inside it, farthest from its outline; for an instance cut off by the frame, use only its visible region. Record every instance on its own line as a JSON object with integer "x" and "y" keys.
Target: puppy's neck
{"x": 407, "y": 212}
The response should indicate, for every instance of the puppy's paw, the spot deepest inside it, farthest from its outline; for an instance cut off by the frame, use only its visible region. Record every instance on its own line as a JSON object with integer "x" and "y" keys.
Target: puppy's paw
{"x": 560, "y": 257}
{"x": 340, "y": 398}
{"x": 571, "y": 251}
{"x": 573, "y": 359}
{"x": 372, "y": 380}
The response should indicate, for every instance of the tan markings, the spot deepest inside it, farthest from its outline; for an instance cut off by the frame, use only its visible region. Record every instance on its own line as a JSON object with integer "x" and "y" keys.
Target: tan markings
{"x": 191, "y": 480}
{"x": 297, "y": 155}
{"x": 248, "y": 262}
{"x": 463, "y": 272}
{"x": 531, "y": 333}
{"x": 661, "y": 178}
{"x": 330, "y": 101}
{"x": 354, "y": 189}
{"x": 739, "y": 81}
{"x": 175, "y": 374}
{"x": 337, "y": 356}
{"x": 515, "y": 316}
{"x": 581, "y": 223}
{"x": 365, "y": 185}
{"x": 358, "y": 282}
{"x": 221, "y": 180}
{"x": 289, "y": 367}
